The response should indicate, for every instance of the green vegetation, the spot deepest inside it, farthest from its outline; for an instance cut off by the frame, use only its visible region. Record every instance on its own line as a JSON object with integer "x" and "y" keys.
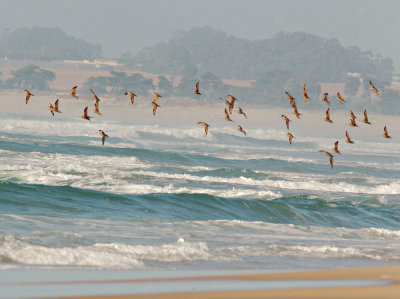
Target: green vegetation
{"x": 30, "y": 77}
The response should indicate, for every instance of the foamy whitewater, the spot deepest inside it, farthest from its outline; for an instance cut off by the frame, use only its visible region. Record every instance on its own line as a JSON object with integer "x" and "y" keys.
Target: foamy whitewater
{"x": 169, "y": 197}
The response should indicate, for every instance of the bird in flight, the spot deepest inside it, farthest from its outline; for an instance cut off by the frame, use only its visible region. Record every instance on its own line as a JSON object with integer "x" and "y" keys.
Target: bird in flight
{"x": 385, "y": 135}
{"x": 28, "y": 95}
{"x": 196, "y": 90}
{"x": 155, "y": 106}
{"x": 340, "y": 99}
{"x": 353, "y": 122}
{"x": 330, "y": 157}
{"x": 287, "y": 120}
{"x": 85, "y": 116}
{"x": 131, "y": 94}
{"x": 240, "y": 129}
{"x": 295, "y": 112}
{"x": 103, "y": 136}
{"x": 348, "y": 140}
{"x": 373, "y": 88}
{"x": 233, "y": 99}
{"x": 94, "y": 96}
{"x": 305, "y": 95}
{"x": 96, "y": 108}
{"x": 325, "y": 99}
{"x": 156, "y": 97}
{"x": 290, "y": 137}
{"x": 292, "y": 100}
{"x": 73, "y": 92}
{"x": 365, "y": 120}
{"x": 336, "y": 147}
{"x": 327, "y": 117}
{"x": 206, "y": 125}
{"x": 54, "y": 108}
{"x": 240, "y": 111}
{"x": 227, "y": 117}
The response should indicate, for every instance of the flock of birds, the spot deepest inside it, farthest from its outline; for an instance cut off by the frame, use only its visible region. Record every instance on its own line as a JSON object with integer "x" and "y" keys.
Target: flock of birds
{"x": 230, "y": 102}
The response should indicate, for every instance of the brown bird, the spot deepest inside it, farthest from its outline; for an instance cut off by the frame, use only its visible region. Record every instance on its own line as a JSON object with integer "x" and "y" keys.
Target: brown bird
{"x": 96, "y": 108}
{"x": 291, "y": 99}
{"x": 348, "y": 140}
{"x": 94, "y": 96}
{"x": 287, "y": 120}
{"x": 351, "y": 114}
{"x": 85, "y": 116}
{"x": 196, "y": 91}
{"x": 290, "y": 137}
{"x": 330, "y": 157}
{"x": 230, "y": 107}
{"x": 132, "y": 95}
{"x": 386, "y": 135}
{"x": 327, "y": 116}
{"x": 73, "y": 92}
{"x": 240, "y": 111}
{"x": 28, "y": 95}
{"x": 295, "y": 112}
{"x": 365, "y": 120}
{"x": 325, "y": 99}
{"x": 206, "y": 125}
{"x": 51, "y": 108}
{"x": 340, "y": 99}
{"x": 155, "y": 106}
{"x": 373, "y": 88}
{"x": 227, "y": 117}
{"x": 56, "y": 107}
{"x": 353, "y": 122}
{"x": 240, "y": 129}
{"x": 156, "y": 96}
{"x": 233, "y": 99}
{"x": 336, "y": 148}
{"x": 305, "y": 95}
{"x": 103, "y": 136}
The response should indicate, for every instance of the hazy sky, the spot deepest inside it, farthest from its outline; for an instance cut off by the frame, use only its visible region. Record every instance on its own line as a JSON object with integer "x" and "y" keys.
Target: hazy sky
{"x": 121, "y": 26}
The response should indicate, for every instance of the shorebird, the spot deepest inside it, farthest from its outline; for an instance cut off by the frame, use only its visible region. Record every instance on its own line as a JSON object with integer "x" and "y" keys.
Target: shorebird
{"x": 373, "y": 88}
{"x": 329, "y": 155}
{"x": 94, "y": 96}
{"x": 327, "y": 117}
{"x": 305, "y": 95}
{"x": 196, "y": 91}
{"x": 295, "y": 112}
{"x": 240, "y": 111}
{"x": 291, "y": 99}
{"x": 132, "y": 95}
{"x": 85, "y": 116}
{"x": 339, "y": 98}
{"x": 365, "y": 120}
{"x": 156, "y": 97}
{"x": 325, "y": 99}
{"x": 348, "y": 140}
{"x": 290, "y": 137}
{"x": 73, "y": 92}
{"x": 206, "y": 125}
{"x": 227, "y": 117}
{"x": 351, "y": 114}
{"x": 103, "y": 136}
{"x": 96, "y": 108}
{"x": 336, "y": 147}
{"x": 287, "y": 120}
{"x": 233, "y": 99}
{"x": 240, "y": 129}
{"x": 51, "y": 108}
{"x": 155, "y": 106}
{"x": 386, "y": 135}
{"x": 54, "y": 108}
{"x": 352, "y": 122}
{"x": 28, "y": 95}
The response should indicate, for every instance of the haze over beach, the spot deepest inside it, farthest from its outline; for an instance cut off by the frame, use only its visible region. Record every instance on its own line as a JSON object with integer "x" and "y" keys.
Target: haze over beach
{"x": 186, "y": 149}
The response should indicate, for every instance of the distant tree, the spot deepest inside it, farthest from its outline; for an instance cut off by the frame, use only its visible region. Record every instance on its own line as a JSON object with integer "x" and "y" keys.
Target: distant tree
{"x": 351, "y": 86}
{"x": 32, "y": 77}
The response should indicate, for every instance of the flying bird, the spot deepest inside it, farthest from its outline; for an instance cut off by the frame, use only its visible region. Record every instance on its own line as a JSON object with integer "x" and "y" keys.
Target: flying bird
{"x": 156, "y": 97}
{"x": 54, "y": 108}
{"x": 240, "y": 111}
{"x": 295, "y": 112}
{"x": 240, "y": 129}
{"x": 227, "y": 117}
{"x": 373, "y": 88}
{"x": 28, "y": 95}
{"x": 155, "y": 106}
{"x": 353, "y": 122}
{"x": 131, "y": 94}
{"x": 365, "y": 120}
{"x": 196, "y": 91}
{"x": 351, "y": 114}
{"x": 305, "y": 95}
{"x": 287, "y": 120}
{"x": 290, "y": 137}
{"x": 336, "y": 147}
{"x": 325, "y": 99}
{"x": 330, "y": 157}
{"x": 327, "y": 117}
{"x": 73, "y": 92}
{"x": 386, "y": 135}
{"x": 348, "y": 140}
{"x": 85, "y": 116}
{"x": 233, "y": 99}
{"x": 206, "y": 125}
{"x": 51, "y": 108}
{"x": 94, "y": 96}
{"x": 103, "y": 136}
{"x": 292, "y": 100}
{"x": 340, "y": 99}
{"x": 96, "y": 108}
